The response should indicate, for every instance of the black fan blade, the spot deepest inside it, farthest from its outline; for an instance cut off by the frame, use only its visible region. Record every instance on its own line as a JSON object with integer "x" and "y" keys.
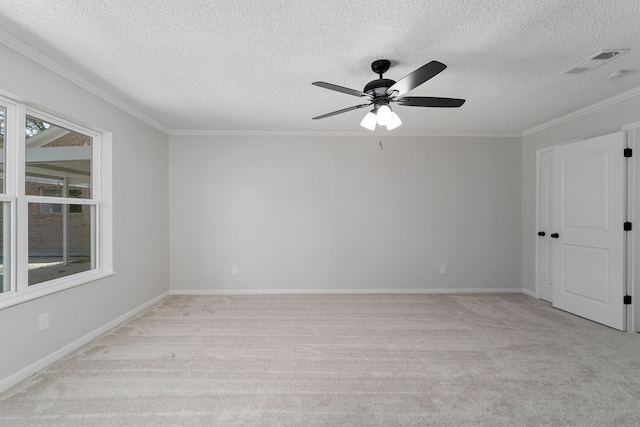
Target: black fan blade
{"x": 429, "y": 101}
{"x": 415, "y": 79}
{"x": 344, "y": 110}
{"x": 340, "y": 89}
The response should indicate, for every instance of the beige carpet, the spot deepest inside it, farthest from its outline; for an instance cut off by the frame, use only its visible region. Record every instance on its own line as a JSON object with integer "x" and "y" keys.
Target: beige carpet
{"x": 341, "y": 360}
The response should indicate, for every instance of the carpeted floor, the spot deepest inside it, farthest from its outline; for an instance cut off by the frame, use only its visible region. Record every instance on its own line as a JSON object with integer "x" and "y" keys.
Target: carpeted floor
{"x": 341, "y": 360}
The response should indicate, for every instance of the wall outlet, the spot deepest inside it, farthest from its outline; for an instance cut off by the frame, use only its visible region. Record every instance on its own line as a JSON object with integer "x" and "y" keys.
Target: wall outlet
{"x": 43, "y": 321}
{"x": 234, "y": 270}
{"x": 443, "y": 269}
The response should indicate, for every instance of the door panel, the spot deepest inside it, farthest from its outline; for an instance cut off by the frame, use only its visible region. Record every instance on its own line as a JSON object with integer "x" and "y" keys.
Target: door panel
{"x": 585, "y": 190}
{"x": 588, "y": 254}
{"x": 586, "y": 281}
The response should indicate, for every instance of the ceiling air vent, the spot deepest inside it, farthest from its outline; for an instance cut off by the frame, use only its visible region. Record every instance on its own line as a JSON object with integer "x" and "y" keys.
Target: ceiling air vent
{"x": 595, "y": 61}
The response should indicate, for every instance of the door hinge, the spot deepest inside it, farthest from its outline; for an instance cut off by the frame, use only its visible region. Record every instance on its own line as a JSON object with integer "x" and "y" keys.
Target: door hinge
{"x": 627, "y": 226}
{"x": 628, "y": 152}
{"x": 627, "y": 299}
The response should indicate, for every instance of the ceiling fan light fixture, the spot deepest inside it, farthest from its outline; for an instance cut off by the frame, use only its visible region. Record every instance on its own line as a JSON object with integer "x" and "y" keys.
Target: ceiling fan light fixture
{"x": 395, "y": 121}
{"x": 382, "y": 92}
{"x": 369, "y": 121}
{"x": 384, "y": 115}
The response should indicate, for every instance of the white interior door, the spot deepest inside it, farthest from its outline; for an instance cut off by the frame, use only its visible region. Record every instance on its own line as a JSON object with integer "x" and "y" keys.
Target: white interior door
{"x": 588, "y": 218}
{"x": 545, "y": 226}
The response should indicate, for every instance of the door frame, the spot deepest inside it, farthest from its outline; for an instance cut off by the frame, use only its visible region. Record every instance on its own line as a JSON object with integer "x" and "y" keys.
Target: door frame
{"x": 632, "y": 139}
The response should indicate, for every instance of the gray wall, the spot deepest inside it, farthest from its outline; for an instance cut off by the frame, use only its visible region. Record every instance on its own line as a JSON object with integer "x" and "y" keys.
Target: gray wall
{"x": 140, "y": 212}
{"x": 599, "y": 122}
{"x": 338, "y": 213}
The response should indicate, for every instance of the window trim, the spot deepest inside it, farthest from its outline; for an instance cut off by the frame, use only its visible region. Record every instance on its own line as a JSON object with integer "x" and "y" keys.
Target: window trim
{"x": 14, "y": 176}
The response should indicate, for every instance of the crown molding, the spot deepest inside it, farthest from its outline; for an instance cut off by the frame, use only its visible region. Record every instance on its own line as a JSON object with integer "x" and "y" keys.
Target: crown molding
{"x": 586, "y": 110}
{"x": 195, "y": 132}
{"x": 31, "y": 53}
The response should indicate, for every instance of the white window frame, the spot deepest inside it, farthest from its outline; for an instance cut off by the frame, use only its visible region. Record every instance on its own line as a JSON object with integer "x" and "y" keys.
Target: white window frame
{"x": 14, "y": 174}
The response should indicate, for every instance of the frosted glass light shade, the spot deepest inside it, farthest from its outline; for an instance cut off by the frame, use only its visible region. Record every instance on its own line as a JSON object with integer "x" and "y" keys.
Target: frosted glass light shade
{"x": 395, "y": 121}
{"x": 369, "y": 121}
{"x": 383, "y": 115}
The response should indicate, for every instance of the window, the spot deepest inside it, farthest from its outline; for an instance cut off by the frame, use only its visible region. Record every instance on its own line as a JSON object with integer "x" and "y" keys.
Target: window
{"x": 55, "y": 227}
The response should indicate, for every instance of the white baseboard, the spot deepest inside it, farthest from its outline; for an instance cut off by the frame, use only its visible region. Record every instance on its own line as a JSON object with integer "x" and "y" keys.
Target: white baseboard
{"x": 59, "y": 354}
{"x": 530, "y": 293}
{"x": 341, "y": 291}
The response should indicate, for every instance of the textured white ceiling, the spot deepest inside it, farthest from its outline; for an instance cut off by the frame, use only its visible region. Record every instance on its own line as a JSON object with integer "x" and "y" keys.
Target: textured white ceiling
{"x": 232, "y": 65}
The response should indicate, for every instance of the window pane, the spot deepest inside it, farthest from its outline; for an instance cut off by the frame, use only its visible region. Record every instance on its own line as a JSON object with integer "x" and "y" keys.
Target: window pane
{"x": 5, "y": 233}
{"x": 3, "y": 114}
{"x": 57, "y": 157}
{"x": 49, "y": 256}
{"x": 56, "y": 191}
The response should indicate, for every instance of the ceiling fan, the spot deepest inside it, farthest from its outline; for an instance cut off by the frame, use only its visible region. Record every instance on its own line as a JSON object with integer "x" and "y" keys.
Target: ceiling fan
{"x": 381, "y": 93}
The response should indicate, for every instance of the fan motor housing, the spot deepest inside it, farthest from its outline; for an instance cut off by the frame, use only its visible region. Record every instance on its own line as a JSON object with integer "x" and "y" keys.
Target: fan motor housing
{"x": 378, "y": 87}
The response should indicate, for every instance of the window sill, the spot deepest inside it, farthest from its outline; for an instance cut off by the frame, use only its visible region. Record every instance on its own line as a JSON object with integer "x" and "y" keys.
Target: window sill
{"x": 47, "y": 288}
